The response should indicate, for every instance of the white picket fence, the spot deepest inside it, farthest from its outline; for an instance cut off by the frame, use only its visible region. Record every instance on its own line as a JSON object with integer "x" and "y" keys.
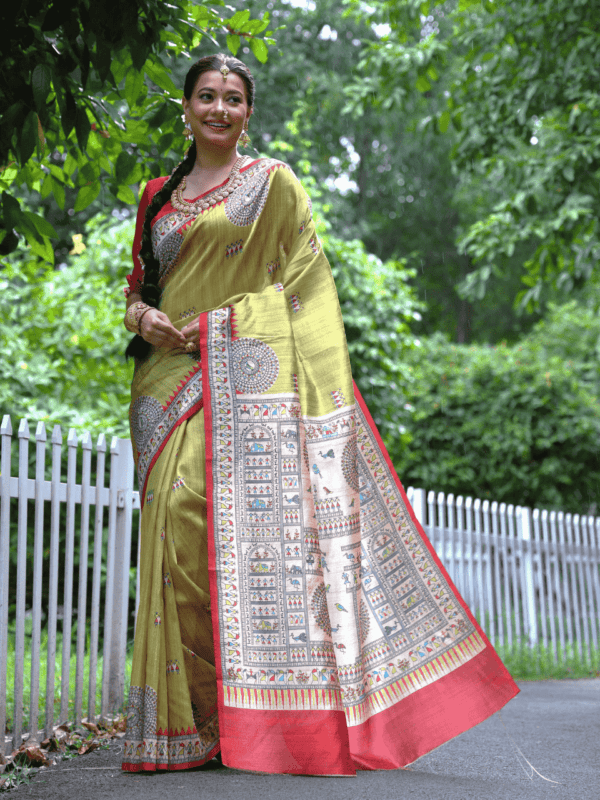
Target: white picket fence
{"x": 530, "y": 577}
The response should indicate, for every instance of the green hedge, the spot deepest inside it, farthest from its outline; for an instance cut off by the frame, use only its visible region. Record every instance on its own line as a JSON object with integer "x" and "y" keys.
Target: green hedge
{"x": 519, "y": 424}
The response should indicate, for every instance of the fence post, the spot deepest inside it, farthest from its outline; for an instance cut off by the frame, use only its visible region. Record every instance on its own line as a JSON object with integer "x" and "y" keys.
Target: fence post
{"x": 418, "y": 504}
{"x": 5, "y": 459}
{"x": 121, "y": 491}
{"x": 528, "y": 586}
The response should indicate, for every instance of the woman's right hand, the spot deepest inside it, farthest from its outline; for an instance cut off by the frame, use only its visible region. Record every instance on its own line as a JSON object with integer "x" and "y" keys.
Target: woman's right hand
{"x": 158, "y": 330}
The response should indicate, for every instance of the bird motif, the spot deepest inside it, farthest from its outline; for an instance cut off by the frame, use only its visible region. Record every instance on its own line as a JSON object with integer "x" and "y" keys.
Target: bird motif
{"x": 352, "y": 503}
{"x": 327, "y": 491}
{"x": 336, "y": 629}
{"x": 316, "y": 470}
{"x": 328, "y": 454}
{"x": 328, "y": 587}
{"x": 340, "y": 607}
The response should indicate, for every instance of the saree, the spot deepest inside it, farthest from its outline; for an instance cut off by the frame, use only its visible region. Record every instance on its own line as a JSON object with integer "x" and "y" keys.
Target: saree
{"x": 293, "y": 614}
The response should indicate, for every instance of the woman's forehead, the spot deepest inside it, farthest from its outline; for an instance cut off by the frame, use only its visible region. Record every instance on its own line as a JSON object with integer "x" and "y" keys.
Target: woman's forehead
{"x": 214, "y": 80}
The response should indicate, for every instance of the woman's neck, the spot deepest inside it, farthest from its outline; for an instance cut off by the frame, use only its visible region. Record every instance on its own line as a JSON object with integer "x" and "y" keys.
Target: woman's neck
{"x": 215, "y": 161}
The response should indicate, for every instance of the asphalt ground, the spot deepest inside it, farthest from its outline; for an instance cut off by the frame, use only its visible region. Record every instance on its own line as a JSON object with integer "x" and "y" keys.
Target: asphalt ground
{"x": 555, "y": 725}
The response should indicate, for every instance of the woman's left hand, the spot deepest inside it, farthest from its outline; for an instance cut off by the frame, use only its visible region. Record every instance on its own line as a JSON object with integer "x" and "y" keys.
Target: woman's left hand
{"x": 192, "y": 333}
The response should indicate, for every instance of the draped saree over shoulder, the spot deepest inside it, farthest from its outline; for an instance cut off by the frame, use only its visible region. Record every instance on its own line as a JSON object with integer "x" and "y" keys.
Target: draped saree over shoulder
{"x": 293, "y": 614}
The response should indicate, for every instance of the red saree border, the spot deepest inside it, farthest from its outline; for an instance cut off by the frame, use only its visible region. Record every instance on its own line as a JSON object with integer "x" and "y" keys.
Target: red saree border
{"x": 209, "y": 455}
{"x": 431, "y": 549}
{"x": 149, "y": 766}
{"x": 189, "y": 413}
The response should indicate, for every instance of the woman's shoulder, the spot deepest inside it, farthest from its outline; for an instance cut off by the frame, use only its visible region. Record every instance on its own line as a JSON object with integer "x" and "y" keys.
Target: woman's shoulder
{"x": 155, "y": 185}
{"x": 272, "y": 167}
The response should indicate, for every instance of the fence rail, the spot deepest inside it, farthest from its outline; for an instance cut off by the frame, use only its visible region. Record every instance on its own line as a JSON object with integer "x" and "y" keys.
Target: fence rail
{"x": 529, "y": 576}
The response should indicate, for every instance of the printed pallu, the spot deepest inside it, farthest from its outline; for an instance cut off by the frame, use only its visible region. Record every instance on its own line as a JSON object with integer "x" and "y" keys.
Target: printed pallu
{"x": 271, "y": 508}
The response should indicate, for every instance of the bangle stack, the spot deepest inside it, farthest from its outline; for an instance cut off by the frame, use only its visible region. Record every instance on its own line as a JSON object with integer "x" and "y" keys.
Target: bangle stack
{"x": 133, "y": 317}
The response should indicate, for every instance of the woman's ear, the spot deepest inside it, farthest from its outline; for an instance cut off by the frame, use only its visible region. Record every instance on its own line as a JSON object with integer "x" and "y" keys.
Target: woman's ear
{"x": 185, "y": 103}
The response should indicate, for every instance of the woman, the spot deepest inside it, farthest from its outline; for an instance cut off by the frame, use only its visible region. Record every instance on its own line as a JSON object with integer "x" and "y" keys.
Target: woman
{"x": 293, "y": 615}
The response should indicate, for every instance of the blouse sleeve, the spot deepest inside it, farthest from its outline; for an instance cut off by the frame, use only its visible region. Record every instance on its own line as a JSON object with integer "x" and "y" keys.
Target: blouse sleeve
{"x": 136, "y": 279}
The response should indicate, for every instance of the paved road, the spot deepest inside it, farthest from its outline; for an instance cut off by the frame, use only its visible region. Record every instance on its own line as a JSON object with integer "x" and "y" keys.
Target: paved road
{"x": 556, "y": 724}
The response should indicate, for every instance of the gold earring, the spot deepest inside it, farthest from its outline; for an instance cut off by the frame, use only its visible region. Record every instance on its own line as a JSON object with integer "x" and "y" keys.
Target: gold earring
{"x": 244, "y": 139}
{"x": 188, "y": 133}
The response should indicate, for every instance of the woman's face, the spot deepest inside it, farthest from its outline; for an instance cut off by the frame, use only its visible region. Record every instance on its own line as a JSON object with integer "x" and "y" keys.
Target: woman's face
{"x": 217, "y": 110}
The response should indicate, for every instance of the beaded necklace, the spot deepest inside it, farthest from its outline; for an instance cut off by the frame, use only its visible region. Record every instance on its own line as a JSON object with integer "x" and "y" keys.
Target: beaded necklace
{"x": 216, "y": 195}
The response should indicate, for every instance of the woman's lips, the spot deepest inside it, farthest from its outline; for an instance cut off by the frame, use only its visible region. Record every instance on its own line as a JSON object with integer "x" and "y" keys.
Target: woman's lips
{"x": 217, "y": 126}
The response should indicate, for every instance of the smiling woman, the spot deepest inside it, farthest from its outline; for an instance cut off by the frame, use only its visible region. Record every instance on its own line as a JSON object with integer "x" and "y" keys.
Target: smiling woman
{"x": 260, "y": 470}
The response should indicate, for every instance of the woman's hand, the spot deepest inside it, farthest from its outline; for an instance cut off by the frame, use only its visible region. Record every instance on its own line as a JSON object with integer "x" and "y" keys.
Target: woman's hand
{"x": 157, "y": 329}
{"x": 192, "y": 333}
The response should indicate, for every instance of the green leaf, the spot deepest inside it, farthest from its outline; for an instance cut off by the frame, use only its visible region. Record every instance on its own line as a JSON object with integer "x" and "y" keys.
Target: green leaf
{"x": 46, "y": 187}
{"x": 82, "y": 127}
{"x": 42, "y": 226}
{"x": 59, "y": 192}
{"x": 69, "y": 113}
{"x": 159, "y": 75}
{"x": 124, "y": 167}
{"x": 259, "y": 48}
{"x": 444, "y": 121}
{"x": 87, "y": 195}
{"x": 40, "y": 84}
{"x": 233, "y": 43}
{"x": 134, "y": 86}
{"x": 41, "y": 248}
{"x": 28, "y": 137}
{"x": 422, "y": 84}
{"x": 569, "y": 173}
{"x": 126, "y": 194}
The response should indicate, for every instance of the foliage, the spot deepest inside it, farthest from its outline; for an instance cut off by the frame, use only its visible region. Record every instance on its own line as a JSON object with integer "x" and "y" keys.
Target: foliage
{"x": 78, "y": 112}
{"x": 62, "y": 335}
{"x": 526, "y": 106}
{"x": 517, "y": 424}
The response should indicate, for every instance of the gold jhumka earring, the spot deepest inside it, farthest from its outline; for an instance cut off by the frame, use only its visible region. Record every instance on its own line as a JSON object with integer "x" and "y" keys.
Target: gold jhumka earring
{"x": 244, "y": 139}
{"x": 188, "y": 133}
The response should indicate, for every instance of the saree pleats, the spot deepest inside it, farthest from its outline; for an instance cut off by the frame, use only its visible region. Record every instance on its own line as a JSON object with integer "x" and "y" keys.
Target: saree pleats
{"x": 172, "y": 722}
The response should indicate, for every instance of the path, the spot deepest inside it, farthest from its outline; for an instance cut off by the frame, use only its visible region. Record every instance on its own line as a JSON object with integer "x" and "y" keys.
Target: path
{"x": 555, "y": 723}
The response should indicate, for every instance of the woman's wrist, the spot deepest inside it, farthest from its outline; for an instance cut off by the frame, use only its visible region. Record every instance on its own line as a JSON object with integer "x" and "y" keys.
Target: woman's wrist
{"x": 134, "y": 315}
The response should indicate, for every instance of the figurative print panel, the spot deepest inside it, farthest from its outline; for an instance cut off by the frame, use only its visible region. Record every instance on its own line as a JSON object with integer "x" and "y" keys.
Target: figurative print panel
{"x": 328, "y": 595}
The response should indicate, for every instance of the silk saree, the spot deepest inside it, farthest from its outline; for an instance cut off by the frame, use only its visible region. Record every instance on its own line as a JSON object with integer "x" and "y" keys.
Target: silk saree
{"x": 293, "y": 614}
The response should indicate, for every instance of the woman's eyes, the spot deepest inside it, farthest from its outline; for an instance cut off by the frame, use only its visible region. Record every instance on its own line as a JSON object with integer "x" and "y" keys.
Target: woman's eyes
{"x": 207, "y": 96}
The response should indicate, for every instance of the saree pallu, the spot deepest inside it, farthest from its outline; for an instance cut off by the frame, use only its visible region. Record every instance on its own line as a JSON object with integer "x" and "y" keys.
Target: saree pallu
{"x": 336, "y": 640}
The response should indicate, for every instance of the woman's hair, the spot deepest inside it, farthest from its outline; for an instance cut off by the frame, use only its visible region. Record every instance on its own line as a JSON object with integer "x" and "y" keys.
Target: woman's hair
{"x": 151, "y": 291}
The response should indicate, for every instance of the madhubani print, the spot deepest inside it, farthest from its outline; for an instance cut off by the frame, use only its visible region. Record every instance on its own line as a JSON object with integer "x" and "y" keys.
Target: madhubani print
{"x": 167, "y": 238}
{"x": 146, "y": 743}
{"x": 152, "y": 423}
{"x": 328, "y": 596}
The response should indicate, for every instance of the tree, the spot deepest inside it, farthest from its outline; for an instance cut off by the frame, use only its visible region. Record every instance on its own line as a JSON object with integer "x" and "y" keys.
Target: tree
{"x": 522, "y": 78}
{"x": 77, "y": 111}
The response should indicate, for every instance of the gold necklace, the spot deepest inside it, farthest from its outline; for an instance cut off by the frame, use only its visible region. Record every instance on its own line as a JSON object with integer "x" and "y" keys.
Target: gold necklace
{"x": 216, "y": 195}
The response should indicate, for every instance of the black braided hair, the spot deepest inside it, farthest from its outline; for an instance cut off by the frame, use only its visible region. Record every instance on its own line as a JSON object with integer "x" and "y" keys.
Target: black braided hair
{"x": 151, "y": 291}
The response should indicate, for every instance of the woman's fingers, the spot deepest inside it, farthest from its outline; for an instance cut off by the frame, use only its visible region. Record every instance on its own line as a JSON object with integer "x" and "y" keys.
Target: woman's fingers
{"x": 158, "y": 330}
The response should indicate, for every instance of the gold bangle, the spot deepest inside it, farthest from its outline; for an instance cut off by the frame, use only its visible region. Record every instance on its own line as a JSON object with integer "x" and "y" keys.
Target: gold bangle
{"x": 133, "y": 316}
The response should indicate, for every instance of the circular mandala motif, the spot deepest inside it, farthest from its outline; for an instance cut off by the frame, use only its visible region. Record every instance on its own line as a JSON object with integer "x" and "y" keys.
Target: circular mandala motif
{"x": 255, "y": 365}
{"x": 145, "y": 415}
{"x": 319, "y": 609}
{"x": 363, "y": 617}
{"x": 243, "y": 207}
{"x": 350, "y": 464}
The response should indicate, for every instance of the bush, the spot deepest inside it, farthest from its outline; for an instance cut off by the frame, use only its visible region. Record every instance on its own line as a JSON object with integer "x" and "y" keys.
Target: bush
{"x": 63, "y": 337}
{"x": 517, "y": 424}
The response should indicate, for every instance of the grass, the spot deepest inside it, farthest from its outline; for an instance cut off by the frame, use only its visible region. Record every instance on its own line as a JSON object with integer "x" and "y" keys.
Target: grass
{"x": 10, "y": 678}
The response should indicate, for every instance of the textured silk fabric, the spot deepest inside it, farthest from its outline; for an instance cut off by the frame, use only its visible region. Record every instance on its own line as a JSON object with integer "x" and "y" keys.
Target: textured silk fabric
{"x": 339, "y": 640}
